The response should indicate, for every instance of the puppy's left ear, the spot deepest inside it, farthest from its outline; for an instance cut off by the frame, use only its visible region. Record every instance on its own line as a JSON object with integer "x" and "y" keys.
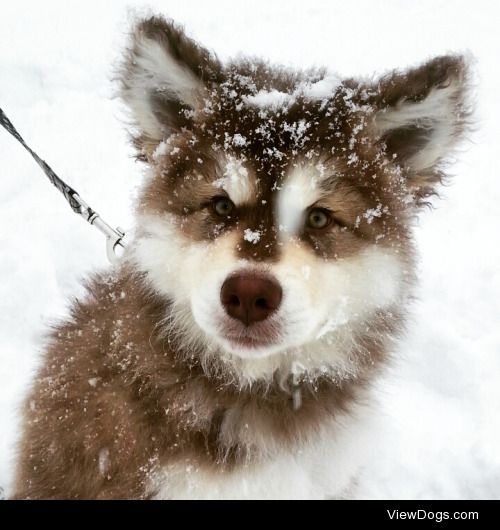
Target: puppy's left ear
{"x": 420, "y": 116}
{"x": 163, "y": 79}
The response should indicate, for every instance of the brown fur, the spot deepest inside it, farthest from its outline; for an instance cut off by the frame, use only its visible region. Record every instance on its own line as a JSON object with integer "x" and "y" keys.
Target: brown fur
{"x": 110, "y": 382}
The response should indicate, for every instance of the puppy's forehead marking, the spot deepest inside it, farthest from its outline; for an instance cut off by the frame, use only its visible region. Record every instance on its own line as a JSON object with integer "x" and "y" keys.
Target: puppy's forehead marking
{"x": 236, "y": 181}
{"x": 301, "y": 189}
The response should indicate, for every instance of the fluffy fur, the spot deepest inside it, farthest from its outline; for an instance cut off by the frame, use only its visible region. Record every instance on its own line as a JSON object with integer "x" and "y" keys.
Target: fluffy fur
{"x": 151, "y": 389}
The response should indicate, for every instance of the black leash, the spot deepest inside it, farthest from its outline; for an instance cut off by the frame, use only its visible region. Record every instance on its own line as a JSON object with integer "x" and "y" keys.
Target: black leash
{"x": 114, "y": 238}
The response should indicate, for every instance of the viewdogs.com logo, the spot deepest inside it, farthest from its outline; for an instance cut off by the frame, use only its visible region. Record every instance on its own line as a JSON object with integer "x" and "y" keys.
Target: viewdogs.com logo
{"x": 432, "y": 516}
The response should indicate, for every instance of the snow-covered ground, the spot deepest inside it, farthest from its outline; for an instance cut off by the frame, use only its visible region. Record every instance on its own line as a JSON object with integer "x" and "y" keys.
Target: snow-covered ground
{"x": 442, "y": 401}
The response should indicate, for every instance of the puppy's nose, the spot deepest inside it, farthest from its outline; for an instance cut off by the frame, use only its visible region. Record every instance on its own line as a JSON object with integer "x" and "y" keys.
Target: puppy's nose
{"x": 250, "y": 298}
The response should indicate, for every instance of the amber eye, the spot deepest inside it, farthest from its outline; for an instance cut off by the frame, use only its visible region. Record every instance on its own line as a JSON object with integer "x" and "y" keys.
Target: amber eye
{"x": 222, "y": 206}
{"x": 318, "y": 218}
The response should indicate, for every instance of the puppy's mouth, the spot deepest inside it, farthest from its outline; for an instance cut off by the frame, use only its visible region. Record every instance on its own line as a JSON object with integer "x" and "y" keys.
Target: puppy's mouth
{"x": 248, "y": 342}
{"x": 256, "y": 337}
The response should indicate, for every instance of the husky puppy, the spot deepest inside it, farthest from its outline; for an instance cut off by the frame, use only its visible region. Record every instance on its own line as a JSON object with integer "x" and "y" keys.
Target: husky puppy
{"x": 234, "y": 351}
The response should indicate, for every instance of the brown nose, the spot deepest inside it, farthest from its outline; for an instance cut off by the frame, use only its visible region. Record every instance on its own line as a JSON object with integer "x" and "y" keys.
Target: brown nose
{"x": 250, "y": 298}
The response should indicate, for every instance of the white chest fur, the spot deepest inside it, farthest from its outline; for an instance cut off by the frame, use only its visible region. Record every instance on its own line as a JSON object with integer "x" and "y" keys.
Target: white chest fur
{"x": 324, "y": 467}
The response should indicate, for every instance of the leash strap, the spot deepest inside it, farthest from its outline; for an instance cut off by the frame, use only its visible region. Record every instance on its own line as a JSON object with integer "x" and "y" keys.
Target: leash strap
{"x": 114, "y": 238}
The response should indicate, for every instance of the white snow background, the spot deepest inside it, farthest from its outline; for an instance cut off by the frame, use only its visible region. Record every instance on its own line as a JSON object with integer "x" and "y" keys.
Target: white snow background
{"x": 442, "y": 400}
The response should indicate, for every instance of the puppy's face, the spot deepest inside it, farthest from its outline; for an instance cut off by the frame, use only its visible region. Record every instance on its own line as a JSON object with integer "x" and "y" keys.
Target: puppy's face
{"x": 275, "y": 215}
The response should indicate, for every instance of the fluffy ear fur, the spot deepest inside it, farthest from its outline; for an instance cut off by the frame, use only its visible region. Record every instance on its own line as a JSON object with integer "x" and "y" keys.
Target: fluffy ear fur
{"x": 421, "y": 114}
{"x": 162, "y": 78}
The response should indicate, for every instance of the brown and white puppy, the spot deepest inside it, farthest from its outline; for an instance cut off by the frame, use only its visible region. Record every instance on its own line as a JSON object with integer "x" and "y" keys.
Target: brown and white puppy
{"x": 233, "y": 352}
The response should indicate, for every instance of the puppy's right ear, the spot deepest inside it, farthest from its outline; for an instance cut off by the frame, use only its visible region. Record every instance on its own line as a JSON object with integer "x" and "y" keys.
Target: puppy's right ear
{"x": 163, "y": 79}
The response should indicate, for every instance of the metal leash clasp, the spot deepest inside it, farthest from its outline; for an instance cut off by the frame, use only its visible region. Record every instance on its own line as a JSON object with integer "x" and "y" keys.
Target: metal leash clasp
{"x": 114, "y": 240}
{"x": 114, "y": 237}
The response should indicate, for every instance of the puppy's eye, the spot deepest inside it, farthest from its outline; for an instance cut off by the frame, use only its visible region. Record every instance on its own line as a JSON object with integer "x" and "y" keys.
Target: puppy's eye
{"x": 318, "y": 218}
{"x": 222, "y": 206}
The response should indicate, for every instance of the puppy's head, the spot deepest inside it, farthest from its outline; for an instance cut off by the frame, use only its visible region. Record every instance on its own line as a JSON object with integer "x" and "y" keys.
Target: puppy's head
{"x": 275, "y": 217}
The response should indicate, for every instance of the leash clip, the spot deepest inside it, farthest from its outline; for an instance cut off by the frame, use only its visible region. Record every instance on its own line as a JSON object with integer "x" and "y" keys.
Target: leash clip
{"x": 115, "y": 245}
{"x": 114, "y": 237}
